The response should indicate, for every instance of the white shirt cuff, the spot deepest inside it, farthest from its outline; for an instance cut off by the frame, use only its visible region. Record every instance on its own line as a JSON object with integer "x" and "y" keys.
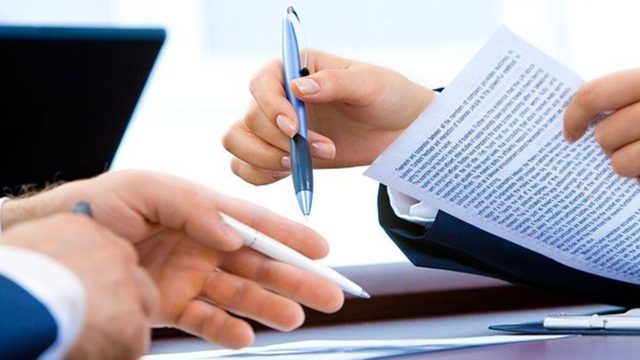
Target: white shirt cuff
{"x": 55, "y": 286}
{"x": 410, "y": 209}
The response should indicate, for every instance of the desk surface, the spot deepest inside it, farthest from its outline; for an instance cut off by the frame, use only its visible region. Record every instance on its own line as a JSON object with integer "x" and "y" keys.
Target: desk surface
{"x": 577, "y": 347}
{"x": 431, "y": 327}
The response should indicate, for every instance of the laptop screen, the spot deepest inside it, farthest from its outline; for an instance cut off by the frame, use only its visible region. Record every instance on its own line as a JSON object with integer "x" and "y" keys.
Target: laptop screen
{"x": 66, "y": 97}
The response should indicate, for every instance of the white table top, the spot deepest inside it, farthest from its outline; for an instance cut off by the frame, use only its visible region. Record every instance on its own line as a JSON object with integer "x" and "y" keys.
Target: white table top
{"x": 432, "y": 327}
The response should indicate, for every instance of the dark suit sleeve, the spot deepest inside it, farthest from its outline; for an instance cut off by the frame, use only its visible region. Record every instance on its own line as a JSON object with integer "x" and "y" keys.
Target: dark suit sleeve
{"x": 27, "y": 328}
{"x": 452, "y": 244}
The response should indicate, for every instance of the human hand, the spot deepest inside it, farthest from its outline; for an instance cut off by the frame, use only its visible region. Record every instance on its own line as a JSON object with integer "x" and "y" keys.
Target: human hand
{"x": 619, "y": 133}
{"x": 354, "y": 111}
{"x": 121, "y": 297}
{"x": 204, "y": 276}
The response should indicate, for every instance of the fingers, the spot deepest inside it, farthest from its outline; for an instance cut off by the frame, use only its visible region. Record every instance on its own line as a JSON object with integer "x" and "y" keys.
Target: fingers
{"x": 267, "y": 88}
{"x": 255, "y": 175}
{"x": 252, "y": 149}
{"x": 166, "y": 201}
{"x": 259, "y": 124}
{"x": 295, "y": 235}
{"x": 182, "y": 205}
{"x": 608, "y": 93}
{"x": 262, "y": 157}
{"x": 246, "y": 298}
{"x": 215, "y": 325}
{"x": 353, "y": 86}
{"x": 625, "y": 160}
{"x": 264, "y": 149}
{"x": 619, "y": 129}
{"x": 294, "y": 283}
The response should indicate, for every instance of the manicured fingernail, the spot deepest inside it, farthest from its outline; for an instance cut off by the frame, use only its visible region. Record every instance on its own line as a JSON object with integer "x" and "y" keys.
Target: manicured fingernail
{"x": 230, "y": 233}
{"x": 307, "y": 86}
{"x": 323, "y": 150}
{"x": 285, "y": 162}
{"x": 280, "y": 174}
{"x": 286, "y": 125}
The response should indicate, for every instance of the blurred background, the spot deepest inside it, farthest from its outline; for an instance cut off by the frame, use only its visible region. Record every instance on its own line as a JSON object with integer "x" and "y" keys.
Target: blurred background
{"x": 200, "y": 85}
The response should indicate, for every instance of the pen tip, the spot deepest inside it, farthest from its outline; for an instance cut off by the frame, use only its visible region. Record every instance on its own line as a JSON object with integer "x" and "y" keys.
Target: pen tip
{"x": 306, "y": 219}
{"x": 365, "y": 295}
{"x": 304, "y": 201}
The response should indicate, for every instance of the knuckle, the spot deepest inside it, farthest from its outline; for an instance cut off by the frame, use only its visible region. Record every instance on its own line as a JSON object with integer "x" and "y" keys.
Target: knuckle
{"x": 329, "y": 79}
{"x": 269, "y": 105}
{"x": 252, "y": 121}
{"x": 235, "y": 167}
{"x": 263, "y": 271}
{"x": 254, "y": 83}
{"x": 257, "y": 80}
{"x": 254, "y": 180}
{"x": 620, "y": 165}
{"x": 601, "y": 136}
{"x": 247, "y": 173}
{"x": 373, "y": 83}
{"x": 238, "y": 293}
{"x": 587, "y": 96}
{"x": 229, "y": 140}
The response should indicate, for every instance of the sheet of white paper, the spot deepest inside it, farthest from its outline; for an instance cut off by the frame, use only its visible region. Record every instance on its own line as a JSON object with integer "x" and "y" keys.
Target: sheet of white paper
{"x": 489, "y": 150}
{"x": 350, "y": 349}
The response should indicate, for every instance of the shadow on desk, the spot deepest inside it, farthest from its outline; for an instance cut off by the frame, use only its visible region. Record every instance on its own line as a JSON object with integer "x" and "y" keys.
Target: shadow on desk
{"x": 401, "y": 291}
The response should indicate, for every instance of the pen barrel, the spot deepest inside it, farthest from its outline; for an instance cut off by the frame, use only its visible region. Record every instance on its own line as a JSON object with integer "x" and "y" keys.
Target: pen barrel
{"x": 291, "y": 68}
{"x": 281, "y": 252}
{"x": 301, "y": 168}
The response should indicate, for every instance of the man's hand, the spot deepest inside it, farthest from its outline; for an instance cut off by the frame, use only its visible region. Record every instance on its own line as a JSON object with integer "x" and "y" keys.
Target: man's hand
{"x": 619, "y": 133}
{"x": 121, "y": 296}
{"x": 354, "y": 111}
{"x": 204, "y": 276}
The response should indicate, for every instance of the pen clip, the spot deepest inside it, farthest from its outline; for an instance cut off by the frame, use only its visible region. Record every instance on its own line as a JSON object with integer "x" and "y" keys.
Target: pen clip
{"x": 293, "y": 17}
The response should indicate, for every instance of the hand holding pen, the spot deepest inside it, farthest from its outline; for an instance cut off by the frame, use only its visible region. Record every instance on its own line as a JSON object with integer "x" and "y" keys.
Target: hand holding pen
{"x": 294, "y": 66}
{"x": 354, "y": 111}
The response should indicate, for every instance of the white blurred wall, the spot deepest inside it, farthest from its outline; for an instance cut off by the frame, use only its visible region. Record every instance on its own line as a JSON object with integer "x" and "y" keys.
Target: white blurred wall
{"x": 199, "y": 86}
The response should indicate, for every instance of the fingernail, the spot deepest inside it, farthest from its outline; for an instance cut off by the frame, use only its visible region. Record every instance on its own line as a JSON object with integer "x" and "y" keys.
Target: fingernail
{"x": 230, "y": 233}
{"x": 307, "y": 86}
{"x": 286, "y": 125}
{"x": 280, "y": 174}
{"x": 323, "y": 150}
{"x": 285, "y": 162}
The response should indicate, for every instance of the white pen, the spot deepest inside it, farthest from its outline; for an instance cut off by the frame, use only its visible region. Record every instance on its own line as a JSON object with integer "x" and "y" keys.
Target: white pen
{"x": 629, "y": 320}
{"x": 278, "y": 251}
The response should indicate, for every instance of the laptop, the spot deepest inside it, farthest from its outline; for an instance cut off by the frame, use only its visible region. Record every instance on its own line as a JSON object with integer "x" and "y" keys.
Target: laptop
{"x": 66, "y": 98}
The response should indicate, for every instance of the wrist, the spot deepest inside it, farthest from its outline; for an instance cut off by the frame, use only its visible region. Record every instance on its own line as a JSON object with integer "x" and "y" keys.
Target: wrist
{"x": 12, "y": 212}
{"x": 21, "y": 209}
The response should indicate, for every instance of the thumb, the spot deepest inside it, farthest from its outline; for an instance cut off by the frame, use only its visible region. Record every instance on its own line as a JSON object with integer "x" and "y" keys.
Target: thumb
{"x": 352, "y": 86}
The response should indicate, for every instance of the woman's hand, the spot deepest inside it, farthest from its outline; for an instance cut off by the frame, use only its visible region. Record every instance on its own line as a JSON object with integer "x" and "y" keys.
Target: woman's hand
{"x": 619, "y": 133}
{"x": 354, "y": 111}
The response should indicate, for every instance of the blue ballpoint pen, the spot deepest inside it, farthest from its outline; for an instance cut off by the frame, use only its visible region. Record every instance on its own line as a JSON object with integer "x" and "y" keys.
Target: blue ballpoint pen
{"x": 301, "y": 166}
